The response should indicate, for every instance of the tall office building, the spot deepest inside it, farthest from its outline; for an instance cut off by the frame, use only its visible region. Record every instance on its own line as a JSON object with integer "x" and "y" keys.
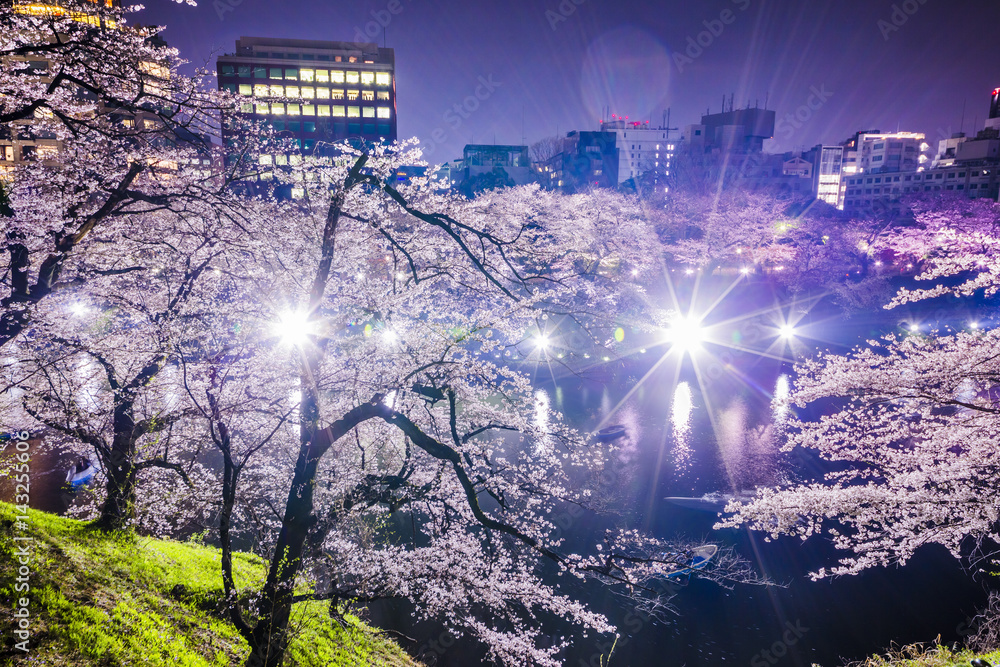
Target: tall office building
{"x": 316, "y": 92}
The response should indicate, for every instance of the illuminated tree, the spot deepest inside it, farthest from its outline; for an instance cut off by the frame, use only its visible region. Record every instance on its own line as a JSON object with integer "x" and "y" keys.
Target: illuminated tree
{"x": 418, "y": 466}
{"x": 913, "y": 433}
{"x": 120, "y": 131}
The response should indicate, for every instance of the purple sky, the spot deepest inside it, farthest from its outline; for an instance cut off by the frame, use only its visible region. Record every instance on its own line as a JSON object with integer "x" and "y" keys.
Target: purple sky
{"x": 557, "y": 63}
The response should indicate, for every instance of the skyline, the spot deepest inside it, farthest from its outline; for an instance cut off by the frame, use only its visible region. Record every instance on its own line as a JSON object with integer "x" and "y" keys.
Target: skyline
{"x": 557, "y": 64}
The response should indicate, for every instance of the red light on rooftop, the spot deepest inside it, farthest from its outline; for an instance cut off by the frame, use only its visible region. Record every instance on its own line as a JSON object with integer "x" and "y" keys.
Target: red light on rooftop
{"x": 996, "y": 91}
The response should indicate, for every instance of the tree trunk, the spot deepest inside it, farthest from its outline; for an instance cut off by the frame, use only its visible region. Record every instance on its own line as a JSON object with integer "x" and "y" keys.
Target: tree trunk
{"x": 269, "y": 638}
{"x": 118, "y": 510}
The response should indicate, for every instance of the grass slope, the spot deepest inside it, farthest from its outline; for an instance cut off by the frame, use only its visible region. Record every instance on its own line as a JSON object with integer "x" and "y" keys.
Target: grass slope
{"x": 101, "y": 600}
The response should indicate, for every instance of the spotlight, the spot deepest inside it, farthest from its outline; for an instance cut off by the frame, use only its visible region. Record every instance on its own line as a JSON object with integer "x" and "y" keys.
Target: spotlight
{"x": 294, "y": 328}
{"x": 787, "y": 331}
{"x": 686, "y": 334}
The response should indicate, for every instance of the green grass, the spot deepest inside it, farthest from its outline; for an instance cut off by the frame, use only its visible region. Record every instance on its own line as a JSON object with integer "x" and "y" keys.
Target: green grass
{"x": 101, "y": 600}
{"x": 920, "y": 655}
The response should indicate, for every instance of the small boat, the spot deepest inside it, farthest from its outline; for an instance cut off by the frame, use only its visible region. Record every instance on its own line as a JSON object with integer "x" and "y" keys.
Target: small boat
{"x": 696, "y": 559}
{"x": 80, "y": 476}
{"x": 609, "y": 433}
{"x": 710, "y": 502}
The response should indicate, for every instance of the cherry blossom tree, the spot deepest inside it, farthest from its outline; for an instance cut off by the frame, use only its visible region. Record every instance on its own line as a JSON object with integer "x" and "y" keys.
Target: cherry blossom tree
{"x": 123, "y": 130}
{"x": 408, "y": 449}
{"x": 99, "y": 366}
{"x": 912, "y": 431}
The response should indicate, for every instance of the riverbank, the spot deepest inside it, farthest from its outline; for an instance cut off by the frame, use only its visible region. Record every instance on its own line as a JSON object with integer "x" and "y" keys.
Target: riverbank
{"x": 75, "y": 596}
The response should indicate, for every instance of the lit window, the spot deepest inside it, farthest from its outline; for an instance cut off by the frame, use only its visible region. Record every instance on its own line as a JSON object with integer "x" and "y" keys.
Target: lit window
{"x": 338, "y": 111}
{"x": 383, "y": 95}
{"x": 277, "y": 91}
{"x": 245, "y": 89}
{"x": 264, "y": 160}
{"x": 322, "y": 93}
{"x": 338, "y": 94}
{"x": 308, "y": 92}
{"x": 353, "y": 112}
{"x": 281, "y": 160}
{"x": 308, "y": 110}
{"x": 298, "y": 193}
{"x": 382, "y": 78}
{"x": 293, "y": 110}
{"x": 262, "y": 107}
{"x": 384, "y": 112}
{"x": 352, "y": 95}
{"x": 291, "y": 91}
{"x": 367, "y": 78}
{"x": 368, "y": 112}
{"x": 352, "y": 59}
{"x": 353, "y": 77}
{"x": 276, "y": 73}
{"x": 260, "y": 90}
{"x": 322, "y": 76}
{"x": 323, "y": 110}
{"x": 292, "y": 74}
{"x": 246, "y": 107}
{"x": 307, "y": 75}
{"x": 336, "y": 76}
{"x": 278, "y": 109}
{"x": 368, "y": 95}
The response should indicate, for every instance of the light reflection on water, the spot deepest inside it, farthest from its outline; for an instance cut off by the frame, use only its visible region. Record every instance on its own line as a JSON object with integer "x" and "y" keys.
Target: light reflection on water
{"x": 680, "y": 422}
{"x": 542, "y": 421}
{"x": 779, "y": 404}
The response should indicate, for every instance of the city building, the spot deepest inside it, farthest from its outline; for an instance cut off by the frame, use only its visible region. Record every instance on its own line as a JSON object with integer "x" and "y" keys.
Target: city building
{"x": 317, "y": 93}
{"x": 642, "y": 150}
{"x": 891, "y": 152}
{"x": 963, "y": 165}
{"x": 482, "y": 159}
{"x": 827, "y": 173}
{"x": 739, "y": 131}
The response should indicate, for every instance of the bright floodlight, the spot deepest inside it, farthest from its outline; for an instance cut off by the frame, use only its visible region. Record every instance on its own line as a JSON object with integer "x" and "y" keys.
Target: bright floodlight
{"x": 787, "y": 331}
{"x": 542, "y": 342}
{"x": 686, "y": 334}
{"x": 78, "y": 309}
{"x": 294, "y": 328}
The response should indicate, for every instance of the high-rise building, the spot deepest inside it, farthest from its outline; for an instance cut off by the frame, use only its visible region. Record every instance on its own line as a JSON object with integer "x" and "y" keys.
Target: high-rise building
{"x": 316, "y": 92}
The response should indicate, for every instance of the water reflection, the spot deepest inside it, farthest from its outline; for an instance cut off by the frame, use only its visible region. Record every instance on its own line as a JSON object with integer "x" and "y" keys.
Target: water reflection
{"x": 680, "y": 423}
{"x": 779, "y": 404}
{"x": 542, "y": 420}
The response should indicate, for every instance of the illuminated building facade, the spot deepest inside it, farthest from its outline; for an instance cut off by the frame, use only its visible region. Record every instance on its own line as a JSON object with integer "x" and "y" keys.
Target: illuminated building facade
{"x": 642, "y": 150}
{"x": 315, "y": 92}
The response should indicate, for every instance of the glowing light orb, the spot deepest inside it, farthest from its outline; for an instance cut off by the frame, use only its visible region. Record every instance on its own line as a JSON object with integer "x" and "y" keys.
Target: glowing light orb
{"x": 294, "y": 328}
{"x": 787, "y": 331}
{"x": 974, "y": 325}
{"x": 542, "y": 342}
{"x": 686, "y": 334}
{"x": 619, "y": 334}
{"x": 78, "y": 309}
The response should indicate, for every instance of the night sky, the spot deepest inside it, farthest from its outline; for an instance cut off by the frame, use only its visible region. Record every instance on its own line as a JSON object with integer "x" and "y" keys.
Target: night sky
{"x": 553, "y": 65}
